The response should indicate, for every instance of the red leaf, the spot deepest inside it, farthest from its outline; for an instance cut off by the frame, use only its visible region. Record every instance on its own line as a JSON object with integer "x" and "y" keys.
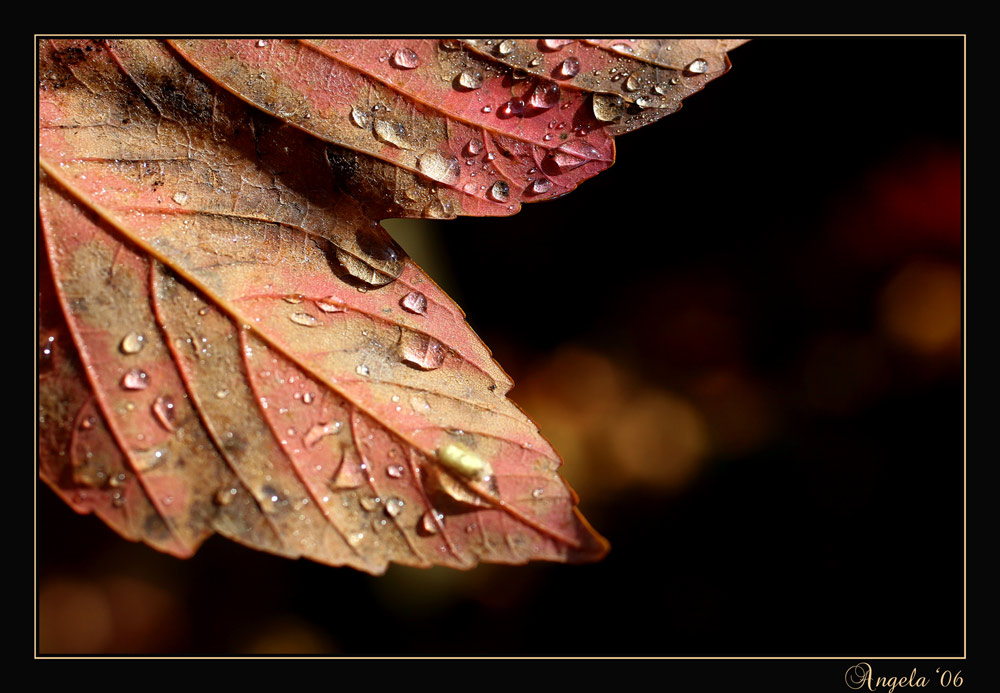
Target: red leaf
{"x": 231, "y": 343}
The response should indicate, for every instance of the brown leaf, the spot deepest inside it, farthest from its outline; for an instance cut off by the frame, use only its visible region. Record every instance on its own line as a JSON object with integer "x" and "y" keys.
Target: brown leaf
{"x": 231, "y": 343}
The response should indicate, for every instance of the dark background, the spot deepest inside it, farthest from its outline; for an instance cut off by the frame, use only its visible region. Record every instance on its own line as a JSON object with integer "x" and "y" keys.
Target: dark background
{"x": 770, "y": 276}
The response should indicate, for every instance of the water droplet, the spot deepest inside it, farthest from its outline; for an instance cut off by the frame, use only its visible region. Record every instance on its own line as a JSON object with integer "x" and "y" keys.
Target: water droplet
{"x": 405, "y": 59}
{"x": 474, "y": 147}
{"x": 567, "y": 162}
{"x": 393, "y": 133}
{"x": 330, "y": 304}
{"x": 487, "y": 109}
{"x": 506, "y": 46}
{"x": 180, "y": 197}
{"x": 225, "y": 496}
{"x": 470, "y": 80}
{"x": 320, "y": 431}
{"x": 698, "y": 67}
{"x": 439, "y": 209}
{"x": 308, "y": 398}
{"x": 555, "y": 44}
{"x": 462, "y": 460}
{"x": 359, "y": 269}
{"x": 538, "y": 492}
{"x": 500, "y": 191}
{"x": 569, "y": 67}
{"x": 362, "y": 370}
{"x": 394, "y": 506}
{"x": 87, "y": 423}
{"x": 608, "y": 107}
{"x": 414, "y": 302}
{"x": 222, "y": 394}
{"x": 437, "y": 167}
{"x": 132, "y": 343}
{"x": 419, "y": 403}
{"x": 573, "y": 155}
{"x": 165, "y": 412}
{"x": 581, "y": 149}
{"x": 304, "y": 319}
{"x": 545, "y": 95}
{"x": 396, "y": 471}
{"x": 421, "y": 351}
{"x": 451, "y": 44}
{"x": 541, "y": 185}
{"x": 662, "y": 88}
{"x": 135, "y": 380}
{"x": 46, "y": 349}
{"x": 633, "y": 83}
{"x": 370, "y": 503}
{"x": 622, "y": 48}
{"x": 536, "y": 61}
{"x": 512, "y": 108}
{"x": 643, "y": 102}
{"x": 361, "y": 118}
{"x": 430, "y": 522}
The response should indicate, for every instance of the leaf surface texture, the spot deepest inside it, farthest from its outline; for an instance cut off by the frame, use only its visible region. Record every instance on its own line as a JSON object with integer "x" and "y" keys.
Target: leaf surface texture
{"x": 230, "y": 342}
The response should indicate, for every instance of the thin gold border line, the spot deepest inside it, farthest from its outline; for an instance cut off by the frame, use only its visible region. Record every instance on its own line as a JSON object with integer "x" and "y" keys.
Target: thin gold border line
{"x": 964, "y": 654}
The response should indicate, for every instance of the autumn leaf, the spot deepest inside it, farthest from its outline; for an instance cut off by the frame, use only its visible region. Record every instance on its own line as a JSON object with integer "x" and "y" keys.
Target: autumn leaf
{"x": 231, "y": 343}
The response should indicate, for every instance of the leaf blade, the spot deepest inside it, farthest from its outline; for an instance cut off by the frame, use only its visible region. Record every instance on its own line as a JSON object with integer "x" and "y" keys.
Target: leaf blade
{"x": 173, "y": 218}
{"x": 370, "y": 113}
